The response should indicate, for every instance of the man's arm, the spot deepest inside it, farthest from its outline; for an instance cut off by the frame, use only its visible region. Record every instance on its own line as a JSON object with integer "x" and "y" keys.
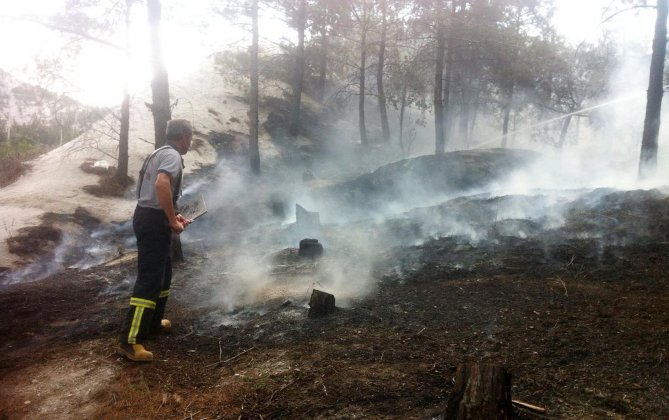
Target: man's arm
{"x": 164, "y": 193}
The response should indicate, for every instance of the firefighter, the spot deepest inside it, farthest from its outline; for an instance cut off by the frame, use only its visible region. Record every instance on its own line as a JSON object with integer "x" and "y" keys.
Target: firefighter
{"x": 154, "y": 221}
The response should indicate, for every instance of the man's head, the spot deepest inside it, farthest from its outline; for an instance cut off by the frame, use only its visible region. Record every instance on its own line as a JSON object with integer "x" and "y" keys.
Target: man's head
{"x": 179, "y": 134}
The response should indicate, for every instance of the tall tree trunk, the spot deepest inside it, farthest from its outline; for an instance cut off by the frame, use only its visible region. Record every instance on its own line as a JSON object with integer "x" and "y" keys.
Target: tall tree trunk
{"x": 122, "y": 169}
{"x": 447, "y": 92}
{"x": 475, "y": 112}
{"x": 403, "y": 102}
{"x": 651, "y": 124}
{"x": 298, "y": 75}
{"x": 508, "y": 102}
{"x": 563, "y": 131}
{"x": 463, "y": 126}
{"x": 323, "y": 66}
{"x": 439, "y": 139}
{"x": 160, "y": 108}
{"x": 124, "y": 134}
{"x": 385, "y": 128}
{"x": 254, "y": 151}
{"x": 450, "y": 53}
{"x": 363, "y": 64}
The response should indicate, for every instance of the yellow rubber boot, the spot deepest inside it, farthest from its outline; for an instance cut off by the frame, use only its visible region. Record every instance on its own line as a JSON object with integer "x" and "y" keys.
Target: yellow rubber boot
{"x": 135, "y": 352}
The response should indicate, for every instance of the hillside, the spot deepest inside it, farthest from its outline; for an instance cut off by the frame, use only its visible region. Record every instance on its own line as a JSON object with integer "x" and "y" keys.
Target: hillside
{"x": 57, "y": 182}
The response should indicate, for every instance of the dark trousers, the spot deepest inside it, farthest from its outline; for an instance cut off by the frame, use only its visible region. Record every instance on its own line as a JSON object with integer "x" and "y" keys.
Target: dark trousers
{"x": 154, "y": 275}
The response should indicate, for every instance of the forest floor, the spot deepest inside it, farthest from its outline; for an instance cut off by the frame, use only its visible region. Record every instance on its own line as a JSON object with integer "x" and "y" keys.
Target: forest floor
{"x": 583, "y": 336}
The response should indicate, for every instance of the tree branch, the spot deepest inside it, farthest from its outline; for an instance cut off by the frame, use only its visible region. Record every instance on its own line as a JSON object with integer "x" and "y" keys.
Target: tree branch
{"x": 638, "y": 6}
{"x": 65, "y": 30}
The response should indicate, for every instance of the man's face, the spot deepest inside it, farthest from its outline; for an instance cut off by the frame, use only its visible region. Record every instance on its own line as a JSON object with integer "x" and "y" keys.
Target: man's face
{"x": 184, "y": 144}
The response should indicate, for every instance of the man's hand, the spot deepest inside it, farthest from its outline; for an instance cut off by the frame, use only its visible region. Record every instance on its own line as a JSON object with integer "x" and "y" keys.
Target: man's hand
{"x": 176, "y": 226}
{"x": 185, "y": 222}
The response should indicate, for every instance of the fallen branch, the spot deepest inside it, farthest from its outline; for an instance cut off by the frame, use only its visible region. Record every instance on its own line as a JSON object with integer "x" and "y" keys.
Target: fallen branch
{"x": 190, "y": 416}
{"x": 563, "y": 285}
{"x": 192, "y": 331}
{"x": 528, "y": 406}
{"x": 230, "y": 359}
{"x": 276, "y": 392}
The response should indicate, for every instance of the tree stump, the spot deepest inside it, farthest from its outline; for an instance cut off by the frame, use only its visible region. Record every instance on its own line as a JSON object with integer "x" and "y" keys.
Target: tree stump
{"x": 310, "y": 248}
{"x": 320, "y": 304}
{"x": 482, "y": 391}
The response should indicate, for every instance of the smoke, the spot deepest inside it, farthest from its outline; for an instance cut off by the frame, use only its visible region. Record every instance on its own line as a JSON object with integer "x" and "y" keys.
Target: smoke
{"x": 251, "y": 250}
{"x": 103, "y": 244}
{"x": 121, "y": 288}
{"x": 250, "y": 237}
{"x": 44, "y": 266}
{"x": 242, "y": 281}
{"x": 77, "y": 249}
{"x": 349, "y": 276}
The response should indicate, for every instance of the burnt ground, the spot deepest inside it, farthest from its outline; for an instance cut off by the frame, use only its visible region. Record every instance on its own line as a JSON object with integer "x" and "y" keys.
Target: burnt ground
{"x": 581, "y": 323}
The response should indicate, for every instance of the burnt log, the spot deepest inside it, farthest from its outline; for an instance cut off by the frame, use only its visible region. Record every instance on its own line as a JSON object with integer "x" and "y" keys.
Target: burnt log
{"x": 482, "y": 391}
{"x": 310, "y": 248}
{"x": 320, "y": 304}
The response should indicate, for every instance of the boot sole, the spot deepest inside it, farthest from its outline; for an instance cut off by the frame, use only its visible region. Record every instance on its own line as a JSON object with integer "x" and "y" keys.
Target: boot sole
{"x": 131, "y": 356}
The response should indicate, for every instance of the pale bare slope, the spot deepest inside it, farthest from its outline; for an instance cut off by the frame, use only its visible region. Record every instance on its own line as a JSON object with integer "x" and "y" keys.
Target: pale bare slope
{"x": 55, "y": 182}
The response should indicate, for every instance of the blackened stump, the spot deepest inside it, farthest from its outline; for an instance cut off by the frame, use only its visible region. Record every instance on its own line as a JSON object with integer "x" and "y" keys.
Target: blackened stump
{"x": 310, "y": 248}
{"x": 482, "y": 391}
{"x": 320, "y": 304}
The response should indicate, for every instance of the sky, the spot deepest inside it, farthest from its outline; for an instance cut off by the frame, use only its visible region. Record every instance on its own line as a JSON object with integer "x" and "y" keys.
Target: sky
{"x": 98, "y": 76}
{"x": 580, "y": 20}
{"x": 99, "y": 73}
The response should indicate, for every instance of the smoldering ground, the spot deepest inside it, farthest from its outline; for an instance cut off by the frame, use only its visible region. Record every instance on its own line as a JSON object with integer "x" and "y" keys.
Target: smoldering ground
{"x": 247, "y": 250}
{"x": 77, "y": 240}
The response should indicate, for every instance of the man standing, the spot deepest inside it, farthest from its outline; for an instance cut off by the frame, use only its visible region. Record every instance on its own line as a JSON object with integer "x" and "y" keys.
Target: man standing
{"x": 155, "y": 218}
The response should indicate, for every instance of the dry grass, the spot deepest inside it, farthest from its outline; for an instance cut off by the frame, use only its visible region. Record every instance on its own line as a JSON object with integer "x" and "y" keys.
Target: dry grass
{"x": 34, "y": 240}
{"x": 108, "y": 185}
{"x": 11, "y": 168}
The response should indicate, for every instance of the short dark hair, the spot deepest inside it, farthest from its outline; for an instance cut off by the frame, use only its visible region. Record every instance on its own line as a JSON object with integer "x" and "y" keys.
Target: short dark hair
{"x": 176, "y": 129}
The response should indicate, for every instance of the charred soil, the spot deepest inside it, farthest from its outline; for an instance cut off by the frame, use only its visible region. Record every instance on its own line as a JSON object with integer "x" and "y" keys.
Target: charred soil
{"x": 583, "y": 328}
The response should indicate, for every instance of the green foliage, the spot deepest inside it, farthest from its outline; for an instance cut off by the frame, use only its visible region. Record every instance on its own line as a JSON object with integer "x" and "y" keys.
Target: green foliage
{"x": 21, "y": 149}
{"x": 234, "y": 67}
{"x": 27, "y": 140}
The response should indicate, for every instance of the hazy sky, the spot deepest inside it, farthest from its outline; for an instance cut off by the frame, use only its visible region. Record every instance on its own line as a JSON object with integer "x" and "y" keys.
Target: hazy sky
{"x": 580, "y": 20}
{"x": 98, "y": 75}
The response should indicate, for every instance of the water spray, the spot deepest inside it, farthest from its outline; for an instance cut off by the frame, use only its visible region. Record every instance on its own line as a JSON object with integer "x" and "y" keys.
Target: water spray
{"x": 561, "y": 117}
